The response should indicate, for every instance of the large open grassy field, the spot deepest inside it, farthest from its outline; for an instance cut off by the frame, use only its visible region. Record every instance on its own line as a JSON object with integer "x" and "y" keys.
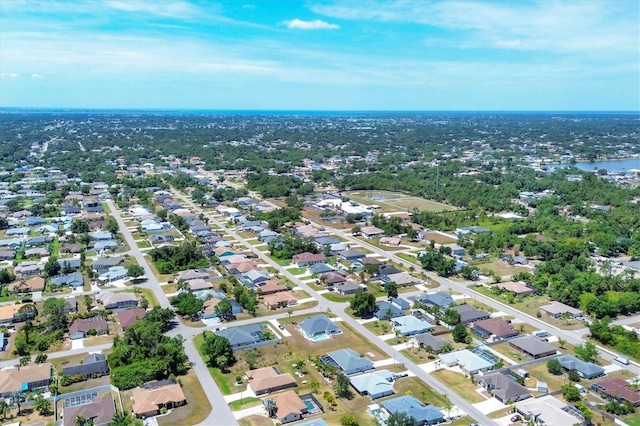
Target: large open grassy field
{"x": 396, "y": 201}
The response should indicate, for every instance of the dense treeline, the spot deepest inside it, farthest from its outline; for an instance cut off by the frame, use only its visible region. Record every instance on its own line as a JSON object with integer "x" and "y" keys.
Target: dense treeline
{"x": 171, "y": 259}
{"x": 144, "y": 353}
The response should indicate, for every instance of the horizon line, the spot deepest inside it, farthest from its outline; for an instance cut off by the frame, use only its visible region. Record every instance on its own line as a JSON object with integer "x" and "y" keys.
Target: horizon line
{"x": 244, "y": 110}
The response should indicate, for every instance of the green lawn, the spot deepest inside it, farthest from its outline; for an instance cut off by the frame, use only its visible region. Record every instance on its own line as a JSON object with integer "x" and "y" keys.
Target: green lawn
{"x": 297, "y": 271}
{"x": 282, "y": 262}
{"x": 459, "y": 384}
{"x": 245, "y": 403}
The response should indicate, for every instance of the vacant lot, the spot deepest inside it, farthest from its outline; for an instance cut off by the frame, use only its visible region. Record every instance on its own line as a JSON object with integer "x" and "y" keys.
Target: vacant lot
{"x": 438, "y": 238}
{"x": 460, "y": 384}
{"x": 396, "y": 201}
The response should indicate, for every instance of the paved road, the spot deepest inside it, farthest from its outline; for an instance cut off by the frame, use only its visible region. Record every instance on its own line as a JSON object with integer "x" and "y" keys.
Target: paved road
{"x": 338, "y": 309}
{"x": 221, "y": 413}
{"x": 574, "y": 337}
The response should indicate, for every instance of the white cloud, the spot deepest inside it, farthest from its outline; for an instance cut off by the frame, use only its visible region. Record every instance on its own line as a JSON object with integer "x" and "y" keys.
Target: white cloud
{"x": 316, "y": 24}
{"x": 38, "y": 76}
{"x": 9, "y": 75}
{"x": 508, "y": 43}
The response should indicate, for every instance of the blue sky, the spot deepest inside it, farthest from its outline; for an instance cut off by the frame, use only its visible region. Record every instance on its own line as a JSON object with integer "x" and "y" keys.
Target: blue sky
{"x": 321, "y": 55}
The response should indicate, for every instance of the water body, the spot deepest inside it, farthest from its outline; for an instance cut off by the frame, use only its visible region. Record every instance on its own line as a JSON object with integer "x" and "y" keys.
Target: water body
{"x": 610, "y": 166}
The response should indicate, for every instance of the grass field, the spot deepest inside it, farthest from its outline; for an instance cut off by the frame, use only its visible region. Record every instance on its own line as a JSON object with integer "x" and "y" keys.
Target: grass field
{"x": 396, "y": 201}
{"x": 459, "y": 384}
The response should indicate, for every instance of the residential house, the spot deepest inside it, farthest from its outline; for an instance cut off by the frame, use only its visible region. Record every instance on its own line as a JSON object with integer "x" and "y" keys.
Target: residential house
{"x": 370, "y": 232}
{"x": 112, "y": 274}
{"x": 503, "y": 387}
{"x": 7, "y": 254}
{"x": 17, "y": 313}
{"x": 617, "y": 389}
{"x": 93, "y": 365}
{"x": 469, "y": 362}
{"x": 100, "y": 411}
{"x": 270, "y": 287}
{"x": 279, "y": 300}
{"x": 548, "y": 410}
{"x": 557, "y": 309}
{"x": 469, "y": 314}
{"x": 426, "y": 340}
{"x": 104, "y": 245}
{"x": 390, "y": 241}
{"x": 69, "y": 263}
{"x": 306, "y": 259}
{"x": 81, "y": 327}
{"x": 532, "y": 347}
{"x": 269, "y": 379}
{"x": 410, "y": 405}
{"x": 288, "y": 407}
{"x": 38, "y": 241}
{"x": 349, "y": 361}
{"x": 517, "y": 288}
{"x": 387, "y": 310}
{"x": 441, "y": 300}
{"x": 69, "y": 248}
{"x": 400, "y": 302}
{"x": 318, "y": 327}
{"x": 348, "y": 287}
{"x": 493, "y": 328}
{"x": 199, "y": 284}
{"x": 130, "y": 316}
{"x": 17, "y": 232}
{"x": 351, "y": 254}
{"x": 101, "y": 235}
{"x": 36, "y": 252}
{"x": 376, "y": 384}
{"x": 31, "y": 285}
{"x": 333, "y": 277}
{"x": 25, "y": 378}
{"x": 586, "y": 370}
{"x": 246, "y": 336}
{"x": 120, "y": 300}
{"x": 255, "y": 276}
{"x": 103, "y": 264}
{"x": 401, "y": 279}
{"x": 73, "y": 280}
{"x": 29, "y": 269}
{"x": 409, "y": 325}
{"x": 152, "y": 397}
{"x": 456, "y": 250}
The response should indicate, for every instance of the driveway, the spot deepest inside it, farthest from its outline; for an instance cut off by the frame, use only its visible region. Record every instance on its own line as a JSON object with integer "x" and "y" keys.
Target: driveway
{"x": 489, "y": 406}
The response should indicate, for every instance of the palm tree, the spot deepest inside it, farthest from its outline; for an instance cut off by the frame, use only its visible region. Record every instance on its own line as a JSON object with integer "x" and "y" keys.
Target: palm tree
{"x": 424, "y": 394}
{"x": 183, "y": 285}
{"x": 4, "y": 407}
{"x": 17, "y": 399}
{"x": 315, "y": 387}
{"x": 447, "y": 404}
{"x": 561, "y": 342}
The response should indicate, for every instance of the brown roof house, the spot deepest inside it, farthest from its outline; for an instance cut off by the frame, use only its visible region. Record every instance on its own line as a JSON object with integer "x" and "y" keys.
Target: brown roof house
{"x": 269, "y": 379}
{"x": 287, "y": 407}
{"x": 99, "y": 411}
{"x": 617, "y": 389}
{"x": 26, "y": 378}
{"x": 149, "y": 399}
{"x": 81, "y": 327}
{"x": 27, "y": 286}
{"x": 306, "y": 259}
{"x": 516, "y": 287}
{"x": 279, "y": 300}
{"x": 494, "y": 328}
{"x": 130, "y": 316}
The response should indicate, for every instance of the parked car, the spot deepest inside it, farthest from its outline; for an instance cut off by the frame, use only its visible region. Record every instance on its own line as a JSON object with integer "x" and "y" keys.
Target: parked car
{"x": 515, "y": 418}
